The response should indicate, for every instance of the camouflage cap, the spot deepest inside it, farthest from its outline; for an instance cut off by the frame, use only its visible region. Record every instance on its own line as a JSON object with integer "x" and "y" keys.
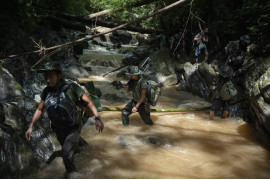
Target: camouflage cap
{"x": 50, "y": 66}
{"x": 133, "y": 70}
{"x": 226, "y": 71}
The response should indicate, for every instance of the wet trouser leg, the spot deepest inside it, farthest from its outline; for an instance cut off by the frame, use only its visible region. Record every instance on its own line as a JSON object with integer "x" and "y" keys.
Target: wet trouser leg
{"x": 144, "y": 111}
{"x": 82, "y": 142}
{"x": 69, "y": 141}
{"x": 126, "y": 112}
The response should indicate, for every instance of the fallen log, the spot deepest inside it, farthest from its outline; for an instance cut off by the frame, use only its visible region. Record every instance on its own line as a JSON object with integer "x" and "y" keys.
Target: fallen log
{"x": 90, "y": 22}
{"x": 89, "y": 38}
{"x": 67, "y": 24}
{"x": 187, "y": 109}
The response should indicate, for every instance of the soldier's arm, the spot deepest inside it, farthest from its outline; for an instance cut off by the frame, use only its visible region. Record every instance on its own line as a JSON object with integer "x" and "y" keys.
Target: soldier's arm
{"x": 143, "y": 94}
{"x": 98, "y": 123}
{"x": 36, "y": 116}
{"x": 90, "y": 104}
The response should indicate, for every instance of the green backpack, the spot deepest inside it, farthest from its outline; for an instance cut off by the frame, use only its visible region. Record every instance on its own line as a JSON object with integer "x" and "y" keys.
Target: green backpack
{"x": 227, "y": 91}
{"x": 90, "y": 91}
{"x": 153, "y": 92}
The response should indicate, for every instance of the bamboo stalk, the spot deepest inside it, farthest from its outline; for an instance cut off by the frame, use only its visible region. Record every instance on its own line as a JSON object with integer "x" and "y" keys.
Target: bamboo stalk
{"x": 187, "y": 109}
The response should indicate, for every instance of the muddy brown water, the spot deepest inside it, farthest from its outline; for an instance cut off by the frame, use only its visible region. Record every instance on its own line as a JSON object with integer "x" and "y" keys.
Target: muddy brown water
{"x": 178, "y": 145}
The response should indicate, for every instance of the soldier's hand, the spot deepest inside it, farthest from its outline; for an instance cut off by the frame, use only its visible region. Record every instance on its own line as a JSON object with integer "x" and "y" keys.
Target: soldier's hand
{"x": 28, "y": 133}
{"x": 99, "y": 126}
{"x": 134, "y": 109}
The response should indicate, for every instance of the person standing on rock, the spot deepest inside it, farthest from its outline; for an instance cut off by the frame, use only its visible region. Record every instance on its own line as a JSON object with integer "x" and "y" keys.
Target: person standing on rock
{"x": 138, "y": 85}
{"x": 223, "y": 91}
{"x": 59, "y": 98}
{"x": 201, "y": 39}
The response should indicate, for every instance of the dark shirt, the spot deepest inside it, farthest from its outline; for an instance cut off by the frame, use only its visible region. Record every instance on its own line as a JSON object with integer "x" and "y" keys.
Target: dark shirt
{"x": 76, "y": 90}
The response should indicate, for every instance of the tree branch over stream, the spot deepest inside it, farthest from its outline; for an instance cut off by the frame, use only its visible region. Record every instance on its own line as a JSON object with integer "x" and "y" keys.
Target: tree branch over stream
{"x": 89, "y": 21}
{"x": 99, "y": 34}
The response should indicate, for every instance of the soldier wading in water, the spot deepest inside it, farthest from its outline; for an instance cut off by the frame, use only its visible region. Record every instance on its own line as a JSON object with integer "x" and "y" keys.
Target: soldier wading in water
{"x": 138, "y": 85}
{"x": 66, "y": 117}
{"x": 223, "y": 91}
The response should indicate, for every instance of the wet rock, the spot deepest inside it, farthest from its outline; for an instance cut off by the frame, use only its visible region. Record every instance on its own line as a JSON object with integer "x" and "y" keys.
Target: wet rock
{"x": 161, "y": 68}
{"x": 78, "y": 48}
{"x": 9, "y": 88}
{"x": 120, "y": 36}
{"x": 155, "y": 140}
{"x": 14, "y": 117}
{"x": 75, "y": 71}
{"x": 199, "y": 78}
{"x": 2, "y": 114}
{"x": 16, "y": 158}
{"x": 141, "y": 38}
{"x": 138, "y": 54}
{"x": 182, "y": 87}
{"x": 117, "y": 84}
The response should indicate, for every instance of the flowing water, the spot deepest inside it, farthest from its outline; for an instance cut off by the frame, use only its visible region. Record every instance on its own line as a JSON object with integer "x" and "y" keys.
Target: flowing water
{"x": 178, "y": 145}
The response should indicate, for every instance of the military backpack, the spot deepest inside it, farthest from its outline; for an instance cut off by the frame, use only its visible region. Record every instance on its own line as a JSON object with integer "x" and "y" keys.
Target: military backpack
{"x": 66, "y": 112}
{"x": 227, "y": 91}
{"x": 153, "y": 92}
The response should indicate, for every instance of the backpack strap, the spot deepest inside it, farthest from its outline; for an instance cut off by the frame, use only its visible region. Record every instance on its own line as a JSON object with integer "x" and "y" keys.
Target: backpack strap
{"x": 148, "y": 90}
{"x": 63, "y": 89}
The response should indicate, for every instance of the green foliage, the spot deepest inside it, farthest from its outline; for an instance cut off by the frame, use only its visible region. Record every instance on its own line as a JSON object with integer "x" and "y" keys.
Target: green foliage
{"x": 229, "y": 19}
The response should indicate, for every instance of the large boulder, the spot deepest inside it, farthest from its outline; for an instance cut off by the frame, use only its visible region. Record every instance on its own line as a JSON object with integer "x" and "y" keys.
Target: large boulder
{"x": 259, "y": 114}
{"x": 18, "y": 156}
{"x": 138, "y": 54}
{"x": 9, "y": 88}
{"x": 161, "y": 68}
{"x": 198, "y": 77}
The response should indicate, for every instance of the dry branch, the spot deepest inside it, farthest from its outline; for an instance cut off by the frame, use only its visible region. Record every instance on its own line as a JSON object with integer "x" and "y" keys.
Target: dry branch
{"x": 106, "y": 32}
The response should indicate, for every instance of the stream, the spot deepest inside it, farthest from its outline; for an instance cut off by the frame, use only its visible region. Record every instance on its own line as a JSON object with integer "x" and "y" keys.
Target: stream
{"x": 178, "y": 145}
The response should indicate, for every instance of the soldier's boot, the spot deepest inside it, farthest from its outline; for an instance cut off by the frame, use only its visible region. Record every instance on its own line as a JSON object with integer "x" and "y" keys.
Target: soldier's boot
{"x": 125, "y": 118}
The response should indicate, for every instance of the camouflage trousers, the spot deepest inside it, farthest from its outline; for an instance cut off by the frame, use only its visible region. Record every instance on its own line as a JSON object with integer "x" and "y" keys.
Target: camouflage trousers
{"x": 143, "y": 110}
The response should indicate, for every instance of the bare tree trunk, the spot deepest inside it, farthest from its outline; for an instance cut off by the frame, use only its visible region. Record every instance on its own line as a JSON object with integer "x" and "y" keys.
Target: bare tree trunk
{"x": 67, "y": 24}
{"x": 90, "y": 22}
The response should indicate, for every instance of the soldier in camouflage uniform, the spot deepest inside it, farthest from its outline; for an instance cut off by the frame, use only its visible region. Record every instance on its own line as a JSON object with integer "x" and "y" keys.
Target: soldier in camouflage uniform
{"x": 138, "y": 85}
{"x": 225, "y": 74}
{"x": 239, "y": 58}
{"x": 68, "y": 136}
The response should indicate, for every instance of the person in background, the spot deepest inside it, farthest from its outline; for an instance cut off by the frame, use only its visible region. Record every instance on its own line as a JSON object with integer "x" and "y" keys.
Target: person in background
{"x": 201, "y": 39}
{"x": 138, "y": 85}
